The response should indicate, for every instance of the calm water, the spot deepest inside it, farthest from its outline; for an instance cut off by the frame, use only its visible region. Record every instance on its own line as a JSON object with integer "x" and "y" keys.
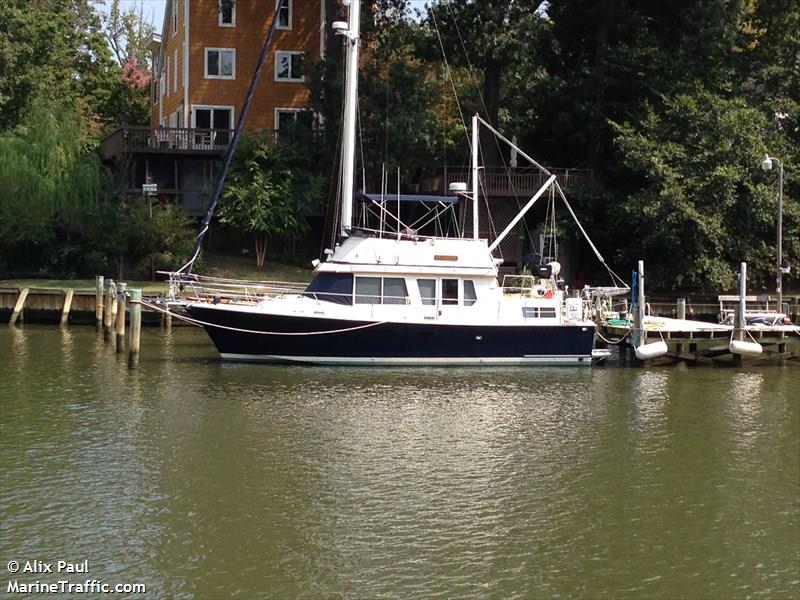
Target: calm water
{"x": 209, "y": 480}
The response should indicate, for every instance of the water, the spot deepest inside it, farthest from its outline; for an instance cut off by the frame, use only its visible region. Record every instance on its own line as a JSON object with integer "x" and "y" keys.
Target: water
{"x": 208, "y": 480}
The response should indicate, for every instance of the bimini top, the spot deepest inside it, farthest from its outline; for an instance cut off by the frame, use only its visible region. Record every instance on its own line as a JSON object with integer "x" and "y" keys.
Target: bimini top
{"x": 419, "y": 198}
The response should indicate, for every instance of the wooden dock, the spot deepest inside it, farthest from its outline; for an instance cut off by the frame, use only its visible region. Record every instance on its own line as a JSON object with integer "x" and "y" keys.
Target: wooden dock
{"x": 698, "y": 342}
{"x": 55, "y": 305}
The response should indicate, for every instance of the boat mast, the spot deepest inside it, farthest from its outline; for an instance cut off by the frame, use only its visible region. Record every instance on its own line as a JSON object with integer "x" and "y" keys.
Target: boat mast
{"x": 350, "y": 100}
{"x": 475, "y": 234}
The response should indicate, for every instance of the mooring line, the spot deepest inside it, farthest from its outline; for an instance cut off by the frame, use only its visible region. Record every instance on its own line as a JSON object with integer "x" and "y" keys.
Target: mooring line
{"x": 199, "y": 323}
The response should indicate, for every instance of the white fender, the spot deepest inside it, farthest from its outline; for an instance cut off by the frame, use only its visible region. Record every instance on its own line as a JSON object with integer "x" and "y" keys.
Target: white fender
{"x": 745, "y": 348}
{"x": 651, "y": 350}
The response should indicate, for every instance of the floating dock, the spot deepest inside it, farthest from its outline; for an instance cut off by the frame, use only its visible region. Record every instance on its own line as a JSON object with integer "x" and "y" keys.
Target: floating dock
{"x": 698, "y": 342}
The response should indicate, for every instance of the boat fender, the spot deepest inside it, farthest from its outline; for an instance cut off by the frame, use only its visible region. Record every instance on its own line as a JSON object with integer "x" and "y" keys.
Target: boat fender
{"x": 539, "y": 291}
{"x": 651, "y": 350}
{"x": 747, "y": 348}
{"x": 548, "y": 294}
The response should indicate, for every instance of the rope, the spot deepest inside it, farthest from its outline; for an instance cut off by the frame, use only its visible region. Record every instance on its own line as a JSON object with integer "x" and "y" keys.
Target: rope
{"x": 607, "y": 341}
{"x": 199, "y": 323}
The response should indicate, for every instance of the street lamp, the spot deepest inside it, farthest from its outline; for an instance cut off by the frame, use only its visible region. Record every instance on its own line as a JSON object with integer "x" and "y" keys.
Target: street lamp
{"x": 766, "y": 164}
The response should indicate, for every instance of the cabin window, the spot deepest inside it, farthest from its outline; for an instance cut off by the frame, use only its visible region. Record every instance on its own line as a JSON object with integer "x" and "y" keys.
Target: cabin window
{"x": 449, "y": 291}
{"x": 469, "y": 293}
{"x": 377, "y": 290}
{"x": 331, "y": 287}
{"x": 427, "y": 291}
{"x": 368, "y": 290}
{"x": 394, "y": 291}
{"x": 227, "y": 13}
{"x": 538, "y": 312}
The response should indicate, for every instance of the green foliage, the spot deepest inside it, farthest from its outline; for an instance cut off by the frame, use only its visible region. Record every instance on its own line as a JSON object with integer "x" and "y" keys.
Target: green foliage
{"x": 270, "y": 189}
{"x": 49, "y": 175}
{"x": 699, "y": 209}
{"x": 56, "y": 48}
{"x": 61, "y": 212}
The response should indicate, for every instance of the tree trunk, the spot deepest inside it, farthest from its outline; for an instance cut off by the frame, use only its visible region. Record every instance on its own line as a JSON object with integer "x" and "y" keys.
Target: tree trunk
{"x": 261, "y": 250}
{"x": 492, "y": 75}
{"x": 597, "y": 126}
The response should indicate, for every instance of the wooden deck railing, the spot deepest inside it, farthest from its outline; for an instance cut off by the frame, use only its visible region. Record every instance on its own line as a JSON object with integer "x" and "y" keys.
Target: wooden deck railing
{"x": 165, "y": 139}
{"x": 514, "y": 182}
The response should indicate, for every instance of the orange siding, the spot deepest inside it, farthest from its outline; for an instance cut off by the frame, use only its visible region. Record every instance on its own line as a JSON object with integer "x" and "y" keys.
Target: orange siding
{"x": 246, "y": 37}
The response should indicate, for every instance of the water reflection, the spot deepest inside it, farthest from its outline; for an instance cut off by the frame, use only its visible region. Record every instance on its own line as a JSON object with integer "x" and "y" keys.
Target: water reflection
{"x": 210, "y": 480}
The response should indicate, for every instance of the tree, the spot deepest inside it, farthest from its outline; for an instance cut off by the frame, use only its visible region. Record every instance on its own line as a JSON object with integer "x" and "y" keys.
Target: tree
{"x": 56, "y": 48}
{"x": 489, "y": 36}
{"x": 49, "y": 174}
{"x": 702, "y": 206}
{"x": 270, "y": 189}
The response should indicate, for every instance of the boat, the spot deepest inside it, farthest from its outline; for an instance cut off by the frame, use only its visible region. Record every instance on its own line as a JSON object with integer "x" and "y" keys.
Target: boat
{"x": 393, "y": 295}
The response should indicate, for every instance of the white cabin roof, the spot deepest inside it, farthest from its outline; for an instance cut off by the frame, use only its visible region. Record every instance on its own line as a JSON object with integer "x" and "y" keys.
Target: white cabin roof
{"x": 424, "y": 255}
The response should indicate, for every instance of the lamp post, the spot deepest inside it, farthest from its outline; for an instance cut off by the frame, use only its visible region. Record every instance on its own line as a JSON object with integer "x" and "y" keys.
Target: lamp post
{"x": 766, "y": 164}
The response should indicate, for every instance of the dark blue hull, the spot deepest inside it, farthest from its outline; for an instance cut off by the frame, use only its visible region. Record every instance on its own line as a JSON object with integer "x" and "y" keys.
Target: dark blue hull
{"x": 362, "y": 342}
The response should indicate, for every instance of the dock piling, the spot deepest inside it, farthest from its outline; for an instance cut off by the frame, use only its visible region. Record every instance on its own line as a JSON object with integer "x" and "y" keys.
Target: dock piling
{"x": 136, "y": 328}
{"x": 108, "y": 309}
{"x": 121, "y": 297}
{"x": 98, "y": 306}
{"x": 68, "y": 295}
{"x": 681, "y": 308}
{"x": 17, "y": 314}
{"x": 739, "y": 319}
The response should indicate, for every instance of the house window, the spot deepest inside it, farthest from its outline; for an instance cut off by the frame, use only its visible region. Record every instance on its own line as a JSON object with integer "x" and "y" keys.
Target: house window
{"x": 213, "y": 125}
{"x": 289, "y": 120}
{"x": 289, "y": 66}
{"x": 284, "y": 14}
{"x": 213, "y": 117}
{"x": 174, "y": 16}
{"x": 227, "y": 13}
{"x": 162, "y": 84}
{"x": 285, "y": 119}
{"x": 175, "y": 72}
{"x": 220, "y": 63}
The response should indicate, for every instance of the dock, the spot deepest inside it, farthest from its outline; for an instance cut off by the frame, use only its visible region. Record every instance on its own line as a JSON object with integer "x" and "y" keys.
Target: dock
{"x": 763, "y": 334}
{"x": 698, "y": 342}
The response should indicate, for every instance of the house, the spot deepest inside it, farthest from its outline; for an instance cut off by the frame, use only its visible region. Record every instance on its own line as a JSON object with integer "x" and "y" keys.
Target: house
{"x": 203, "y": 64}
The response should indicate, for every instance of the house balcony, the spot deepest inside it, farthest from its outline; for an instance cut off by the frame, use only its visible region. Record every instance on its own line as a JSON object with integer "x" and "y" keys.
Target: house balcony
{"x": 165, "y": 140}
{"x": 500, "y": 183}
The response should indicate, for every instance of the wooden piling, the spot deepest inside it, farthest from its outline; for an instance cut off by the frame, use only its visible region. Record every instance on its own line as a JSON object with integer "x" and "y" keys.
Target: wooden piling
{"x": 98, "y": 306}
{"x": 681, "y": 308}
{"x": 136, "y": 328}
{"x": 66, "y": 308}
{"x": 17, "y": 314}
{"x": 739, "y": 320}
{"x": 108, "y": 309}
{"x": 121, "y": 302}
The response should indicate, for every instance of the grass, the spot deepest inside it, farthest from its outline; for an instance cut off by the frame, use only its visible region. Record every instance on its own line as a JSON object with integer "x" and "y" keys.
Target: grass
{"x": 217, "y": 265}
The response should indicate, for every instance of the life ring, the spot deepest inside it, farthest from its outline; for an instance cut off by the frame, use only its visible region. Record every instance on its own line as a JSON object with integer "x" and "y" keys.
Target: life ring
{"x": 548, "y": 294}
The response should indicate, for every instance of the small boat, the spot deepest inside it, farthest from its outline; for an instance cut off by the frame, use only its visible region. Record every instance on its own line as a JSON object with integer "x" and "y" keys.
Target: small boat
{"x": 393, "y": 296}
